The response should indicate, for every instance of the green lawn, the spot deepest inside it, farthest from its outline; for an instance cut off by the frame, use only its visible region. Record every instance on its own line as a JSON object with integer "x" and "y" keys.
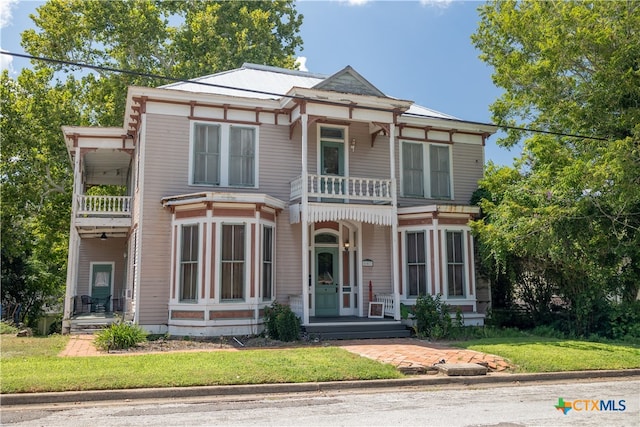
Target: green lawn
{"x": 539, "y": 354}
{"x": 22, "y": 372}
{"x": 32, "y": 365}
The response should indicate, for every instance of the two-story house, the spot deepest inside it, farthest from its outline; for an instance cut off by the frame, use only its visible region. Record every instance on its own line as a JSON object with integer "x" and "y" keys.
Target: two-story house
{"x": 262, "y": 184}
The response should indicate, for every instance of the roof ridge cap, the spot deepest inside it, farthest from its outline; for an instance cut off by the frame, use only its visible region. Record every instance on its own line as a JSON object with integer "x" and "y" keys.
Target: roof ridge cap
{"x": 273, "y": 69}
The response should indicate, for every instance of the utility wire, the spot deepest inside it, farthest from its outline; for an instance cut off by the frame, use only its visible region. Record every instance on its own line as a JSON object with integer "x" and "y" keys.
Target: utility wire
{"x": 281, "y": 95}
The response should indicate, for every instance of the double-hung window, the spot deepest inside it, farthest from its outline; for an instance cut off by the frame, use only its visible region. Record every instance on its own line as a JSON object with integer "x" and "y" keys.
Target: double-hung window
{"x": 426, "y": 170}
{"x": 455, "y": 264}
{"x": 224, "y": 155}
{"x": 189, "y": 263}
{"x": 267, "y": 263}
{"x": 233, "y": 262}
{"x": 416, "y": 264}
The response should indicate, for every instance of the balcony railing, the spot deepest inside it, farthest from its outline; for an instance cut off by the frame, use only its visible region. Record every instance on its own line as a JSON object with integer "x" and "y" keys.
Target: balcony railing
{"x": 343, "y": 187}
{"x": 107, "y": 206}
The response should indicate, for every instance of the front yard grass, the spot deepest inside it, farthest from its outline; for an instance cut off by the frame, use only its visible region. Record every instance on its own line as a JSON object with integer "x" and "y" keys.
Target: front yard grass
{"x": 23, "y": 373}
{"x": 540, "y": 354}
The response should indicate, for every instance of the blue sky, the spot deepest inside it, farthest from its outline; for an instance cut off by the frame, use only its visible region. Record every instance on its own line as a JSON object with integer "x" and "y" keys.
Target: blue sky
{"x": 415, "y": 50}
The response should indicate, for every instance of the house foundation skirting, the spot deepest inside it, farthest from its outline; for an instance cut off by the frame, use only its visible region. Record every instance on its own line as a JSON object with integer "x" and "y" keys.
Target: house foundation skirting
{"x": 217, "y": 329}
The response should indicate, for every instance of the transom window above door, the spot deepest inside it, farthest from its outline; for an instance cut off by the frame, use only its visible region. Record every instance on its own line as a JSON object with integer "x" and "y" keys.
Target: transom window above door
{"x": 332, "y": 133}
{"x": 224, "y": 155}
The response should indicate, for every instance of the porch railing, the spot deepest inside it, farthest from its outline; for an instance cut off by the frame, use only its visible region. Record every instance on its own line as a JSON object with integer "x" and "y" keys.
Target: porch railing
{"x": 103, "y": 205}
{"x": 389, "y": 304}
{"x": 295, "y": 303}
{"x": 343, "y": 187}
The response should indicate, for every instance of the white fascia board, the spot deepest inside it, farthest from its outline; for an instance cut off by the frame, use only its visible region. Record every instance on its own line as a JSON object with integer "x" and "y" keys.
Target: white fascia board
{"x": 188, "y": 199}
{"x": 97, "y": 135}
{"x": 443, "y": 123}
{"x": 452, "y": 209}
{"x": 205, "y": 98}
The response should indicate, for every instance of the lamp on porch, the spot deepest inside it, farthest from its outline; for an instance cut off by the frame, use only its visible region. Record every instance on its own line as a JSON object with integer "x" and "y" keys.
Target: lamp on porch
{"x": 103, "y": 236}
{"x": 346, "y": 246}
{"x": 353, "y": 144}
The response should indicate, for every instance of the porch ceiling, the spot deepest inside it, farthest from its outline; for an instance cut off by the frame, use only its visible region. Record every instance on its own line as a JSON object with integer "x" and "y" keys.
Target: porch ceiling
{"x": 106, "y": 167}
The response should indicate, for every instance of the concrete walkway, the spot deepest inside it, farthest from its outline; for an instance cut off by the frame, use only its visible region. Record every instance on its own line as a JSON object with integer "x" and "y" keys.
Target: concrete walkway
{"x": 404, "y": 353}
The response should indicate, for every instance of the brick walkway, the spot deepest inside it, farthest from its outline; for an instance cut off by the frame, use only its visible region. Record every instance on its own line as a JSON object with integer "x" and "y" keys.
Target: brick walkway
{"x": 400, "y": 352}
{"x": 413, "y": 353}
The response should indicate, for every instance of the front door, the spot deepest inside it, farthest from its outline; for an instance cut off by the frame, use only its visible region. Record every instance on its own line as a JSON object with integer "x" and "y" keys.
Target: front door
{"x": 326, "y": 282}
{"x": 331, "y": 164}
{"x": 101, "y": 283}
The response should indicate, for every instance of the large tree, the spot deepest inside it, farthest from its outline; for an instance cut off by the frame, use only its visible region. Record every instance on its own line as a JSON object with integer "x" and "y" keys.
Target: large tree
{"x": 179, "y": 39}
{"x": 568, "y": 211}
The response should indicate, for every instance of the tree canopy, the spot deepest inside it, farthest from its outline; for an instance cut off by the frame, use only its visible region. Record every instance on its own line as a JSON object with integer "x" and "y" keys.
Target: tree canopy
{"x": 179, "y": 39}
{"x": 568, "y": 211}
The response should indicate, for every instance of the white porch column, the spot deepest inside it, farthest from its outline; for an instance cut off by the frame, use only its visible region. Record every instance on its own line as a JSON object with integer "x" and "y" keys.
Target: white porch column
{"x": 74, "y": 245}
{"x": 395, "y": 256}
{"x": 304, "y": 216}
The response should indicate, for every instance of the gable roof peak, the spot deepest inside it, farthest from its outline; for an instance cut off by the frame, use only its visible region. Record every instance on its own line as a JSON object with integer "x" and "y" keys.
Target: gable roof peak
{"x": 348, "y": 80}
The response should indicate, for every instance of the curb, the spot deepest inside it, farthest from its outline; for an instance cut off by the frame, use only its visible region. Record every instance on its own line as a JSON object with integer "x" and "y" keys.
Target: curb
{"x": 20, "y": 399}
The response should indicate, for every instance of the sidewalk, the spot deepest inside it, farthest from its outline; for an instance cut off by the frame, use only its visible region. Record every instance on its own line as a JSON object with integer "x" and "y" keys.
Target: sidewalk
{"x": 403, "y": 353}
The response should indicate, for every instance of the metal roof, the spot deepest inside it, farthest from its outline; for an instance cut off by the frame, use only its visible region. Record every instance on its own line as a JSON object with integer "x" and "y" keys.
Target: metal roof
{"x": 258, "y": 81}
{"x": 266, "y": 82}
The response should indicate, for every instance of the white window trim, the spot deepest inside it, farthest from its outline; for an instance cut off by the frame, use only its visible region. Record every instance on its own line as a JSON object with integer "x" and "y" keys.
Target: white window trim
{"x": 177, "y": 257}
{"x": 345, "y": 146}
{"x": 262, "y": 226}
{"x": 405, "y": 269}
{"x": 247, "y": 261}
{"x": 444, "y": 262}
{"x": 426, "y": 168}
{"x": 224, "y": 153}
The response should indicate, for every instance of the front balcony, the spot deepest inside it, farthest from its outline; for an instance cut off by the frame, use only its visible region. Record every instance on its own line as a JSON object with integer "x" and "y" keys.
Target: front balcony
{"x": 96, "y": 214}
{"x": 345, "y": 189}
{"x": 103, "y": 211}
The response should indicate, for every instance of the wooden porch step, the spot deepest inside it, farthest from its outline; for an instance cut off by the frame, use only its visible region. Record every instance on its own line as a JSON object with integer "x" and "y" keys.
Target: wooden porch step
{"x": 347, "y": 331}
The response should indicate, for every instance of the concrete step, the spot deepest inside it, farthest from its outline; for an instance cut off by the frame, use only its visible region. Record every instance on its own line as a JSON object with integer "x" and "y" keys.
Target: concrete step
{"x": 357, "y": 331}
{"x": 461, "y": 369}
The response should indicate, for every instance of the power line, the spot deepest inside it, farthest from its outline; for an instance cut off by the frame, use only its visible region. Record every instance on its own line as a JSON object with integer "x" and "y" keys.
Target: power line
{"x": 280, "y": 95}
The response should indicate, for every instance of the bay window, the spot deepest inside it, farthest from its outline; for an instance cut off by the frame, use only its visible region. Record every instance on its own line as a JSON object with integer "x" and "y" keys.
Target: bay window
{"x": 416, "y": 264}
{"x": 232, "y": 262}
{"x": 189, "y": 263}
{"x": 455, "y": 264}
{"x": 267, "y": 263}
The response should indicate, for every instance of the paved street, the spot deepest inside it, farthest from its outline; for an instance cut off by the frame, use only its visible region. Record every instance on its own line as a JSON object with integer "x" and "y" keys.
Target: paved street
{"x": 479, "y": 405}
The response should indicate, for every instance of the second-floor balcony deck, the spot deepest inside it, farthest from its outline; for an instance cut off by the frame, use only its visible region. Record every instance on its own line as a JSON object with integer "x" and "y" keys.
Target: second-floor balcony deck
{"x": 347, "y": 189}
{"x": 95, "y": 211}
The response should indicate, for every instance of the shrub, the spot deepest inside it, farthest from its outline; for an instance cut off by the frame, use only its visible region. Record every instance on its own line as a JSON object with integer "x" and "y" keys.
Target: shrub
{"x": 281, "y": 323}
{"x": 432, "y": 317}
{"x": 7, "y": 328}
{"x": 120, "y": 336}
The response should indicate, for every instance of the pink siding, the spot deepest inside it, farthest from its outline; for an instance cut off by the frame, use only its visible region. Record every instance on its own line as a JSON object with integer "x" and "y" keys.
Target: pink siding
{"x": 96, "y": 250}
{"x": 376, "y": 242}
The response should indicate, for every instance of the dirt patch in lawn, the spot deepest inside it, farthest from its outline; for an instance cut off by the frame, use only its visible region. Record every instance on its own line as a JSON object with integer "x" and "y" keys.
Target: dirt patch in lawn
{"x": 218, "y": 343}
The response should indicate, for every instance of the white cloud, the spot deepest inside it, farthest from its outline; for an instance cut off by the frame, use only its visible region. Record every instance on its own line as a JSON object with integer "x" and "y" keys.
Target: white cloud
{"x": 354, "y": 2}
{"x": 6, "y": 62}
{"x": 301, "y": 62}
{"x": 440, "y": 4}
{"x": 6, "y": 15}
